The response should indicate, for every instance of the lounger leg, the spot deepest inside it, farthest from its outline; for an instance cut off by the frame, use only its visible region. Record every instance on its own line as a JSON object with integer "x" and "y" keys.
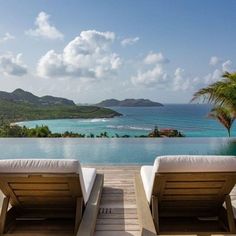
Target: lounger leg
{"x": 79, "y": 211}
{"x": 155, "y": 212}
{"x": 4, "y": 214}
{"x": 230, "y": 214}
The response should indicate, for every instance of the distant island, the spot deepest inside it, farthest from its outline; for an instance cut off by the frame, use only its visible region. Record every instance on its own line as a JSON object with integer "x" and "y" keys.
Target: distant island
{"x": 21, "y": 105}
{"x": 128, "y": 103}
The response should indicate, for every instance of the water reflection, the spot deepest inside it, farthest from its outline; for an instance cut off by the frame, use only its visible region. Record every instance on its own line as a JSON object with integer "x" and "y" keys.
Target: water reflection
{"x": 114, "y": 151}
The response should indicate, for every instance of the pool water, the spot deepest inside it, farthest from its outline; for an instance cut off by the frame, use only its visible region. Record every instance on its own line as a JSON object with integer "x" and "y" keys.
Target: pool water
{"x": 116, "y": 151}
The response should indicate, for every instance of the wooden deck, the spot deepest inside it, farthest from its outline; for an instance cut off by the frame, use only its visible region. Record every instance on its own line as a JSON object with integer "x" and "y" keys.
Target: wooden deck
{"x": 118, "y": 209}
{"x": 118, "y": 214}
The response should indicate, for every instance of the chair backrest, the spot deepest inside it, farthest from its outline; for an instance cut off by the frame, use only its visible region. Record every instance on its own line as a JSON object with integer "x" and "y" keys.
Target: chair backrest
{"x": 41, "y": 190}
{"x": 192, "y": 194}
{"x": 42, "y": 183}
{"x": 192, "y": 185}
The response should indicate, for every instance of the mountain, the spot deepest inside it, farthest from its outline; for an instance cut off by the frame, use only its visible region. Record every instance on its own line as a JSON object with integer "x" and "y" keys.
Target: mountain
{"x": 21, "y": 105}
{"x": 19, "y": 95}
{"x": 128, "y": 103}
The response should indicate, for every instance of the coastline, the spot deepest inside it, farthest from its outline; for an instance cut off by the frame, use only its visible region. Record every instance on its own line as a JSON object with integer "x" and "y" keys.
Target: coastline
{"x": 189, "y": 119}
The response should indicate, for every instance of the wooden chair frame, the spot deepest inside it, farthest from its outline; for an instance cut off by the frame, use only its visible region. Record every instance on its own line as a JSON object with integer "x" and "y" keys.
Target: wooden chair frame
{"x": 193, "y": 194}
{"x": 48, "y": 195}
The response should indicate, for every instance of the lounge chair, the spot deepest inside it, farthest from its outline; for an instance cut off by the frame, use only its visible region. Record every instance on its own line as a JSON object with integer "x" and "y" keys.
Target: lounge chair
{"x": 46, "y": 189}
{"x": 192, "y": 191}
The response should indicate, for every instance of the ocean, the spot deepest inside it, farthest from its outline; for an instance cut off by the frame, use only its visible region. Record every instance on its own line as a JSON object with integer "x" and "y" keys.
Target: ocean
{"x": 190, "y": 119}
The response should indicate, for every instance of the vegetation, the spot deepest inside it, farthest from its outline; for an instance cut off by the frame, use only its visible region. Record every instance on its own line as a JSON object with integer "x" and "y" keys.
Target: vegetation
{"x": 165, "y": 133}
{"x": 21, "y": 112}
{"x": 21, "y": 106}
{"x": 13, "y": 130}
{"x": 222, "y": 94}
{"x": 224, "y": 116}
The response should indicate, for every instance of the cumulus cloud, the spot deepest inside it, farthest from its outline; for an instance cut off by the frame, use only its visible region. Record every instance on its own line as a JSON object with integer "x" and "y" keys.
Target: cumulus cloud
{"x": 151, "y": 77}
{"x": 214, "y": 61}
{"x": 153, "y": 58}
{"x": 7, "y": 36}
{"x": 12, "y": 65}
{"x": 89, "y": 55}
{"x": 129, "y": 41}
{"x": 44, "y": 28}
{"x": 156, "y": 75}
{"x": 216, "y": 75}
{"x": 180, "y": 82}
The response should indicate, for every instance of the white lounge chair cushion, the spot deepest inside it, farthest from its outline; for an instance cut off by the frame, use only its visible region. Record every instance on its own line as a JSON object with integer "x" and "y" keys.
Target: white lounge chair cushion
{"x": 146, "y": 175}
{"x": 87, "y": 175}
{"x": 39, "y": 165}
{"x": 187, "y": 163}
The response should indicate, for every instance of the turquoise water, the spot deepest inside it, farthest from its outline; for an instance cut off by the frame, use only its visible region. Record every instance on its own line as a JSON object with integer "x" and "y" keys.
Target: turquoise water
{"x": 113, "y": 151}
{"x": 191, "y": 119}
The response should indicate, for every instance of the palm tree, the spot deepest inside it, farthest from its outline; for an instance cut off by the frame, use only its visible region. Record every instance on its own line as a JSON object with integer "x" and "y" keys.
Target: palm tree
{"x": 224, "y": 116}
{"x": 220, "y": 93}
{"x": 223, "y": 95}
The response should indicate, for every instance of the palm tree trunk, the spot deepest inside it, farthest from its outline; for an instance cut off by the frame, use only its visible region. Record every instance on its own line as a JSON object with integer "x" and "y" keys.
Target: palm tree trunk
{"x": 229, "y": 132}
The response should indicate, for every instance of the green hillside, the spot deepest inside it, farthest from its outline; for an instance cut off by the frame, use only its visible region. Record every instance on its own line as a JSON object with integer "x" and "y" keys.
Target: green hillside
{"x": 21, "y": 109}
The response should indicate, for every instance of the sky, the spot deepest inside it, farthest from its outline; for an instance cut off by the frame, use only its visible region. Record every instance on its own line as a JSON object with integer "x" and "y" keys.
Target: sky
{"x": 88, "y": 51}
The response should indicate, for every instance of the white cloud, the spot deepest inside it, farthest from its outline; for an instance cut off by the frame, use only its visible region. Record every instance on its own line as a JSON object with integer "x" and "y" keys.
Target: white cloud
{"x": 153, "y": 58}
{"x": 227, "y": 66}
{"x": 12, "y": 65}
{"x": 154, "y": 76}
{"x": 213, "y": 77}
{"x": 129, "y": 41}
{"x": 180, "y": 81}
{"x": 89, "y": 55}
{"x": 7, "y": 36}
{"x": 214, "y": 61}
{"x": 216, "y": 75}
{"x": 44, "y": 29}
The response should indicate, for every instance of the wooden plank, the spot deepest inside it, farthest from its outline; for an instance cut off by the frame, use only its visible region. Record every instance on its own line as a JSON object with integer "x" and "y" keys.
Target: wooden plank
{"x": 78, "y": 213}
{"x": 144, "y": 213}
{"x": 115, "y": 227}
{"x": 117, "y": 216}
{"x": 50, "y": 193}
{"x": 155, "y": 213}
{"x": 41, "y": 186}
{"x": 230, "y": 214}
{"x": 3, "y": 215}
{"x": 47, "y": 200}
{"x": 117, "y": 233}
{"x": 88, "y": 222}
{"x": 117, "y": 221}
{"x": 196, "y": 184}
{"x": 190, "y": 197}
{"x": 191, "y": 191}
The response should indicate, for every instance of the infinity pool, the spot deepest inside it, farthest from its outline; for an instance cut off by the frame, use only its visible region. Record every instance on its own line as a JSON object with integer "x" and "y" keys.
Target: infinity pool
{"x": 113, "y": 151}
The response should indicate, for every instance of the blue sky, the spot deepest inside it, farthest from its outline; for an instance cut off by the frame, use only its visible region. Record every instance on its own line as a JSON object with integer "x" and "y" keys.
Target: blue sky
{"x": 88, "y": 51}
